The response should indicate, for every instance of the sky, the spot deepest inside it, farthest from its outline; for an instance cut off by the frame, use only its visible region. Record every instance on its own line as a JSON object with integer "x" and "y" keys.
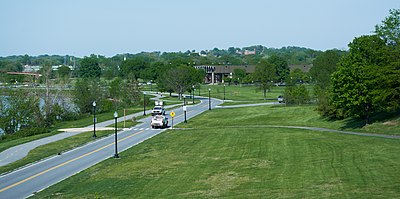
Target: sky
{"x": 110, "y": 27}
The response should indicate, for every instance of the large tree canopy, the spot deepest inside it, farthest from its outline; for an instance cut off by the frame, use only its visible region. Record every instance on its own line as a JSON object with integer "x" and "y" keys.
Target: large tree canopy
{"x": 282, "y": 67}
{"x": 357, "y": 85}
{"x": 323, "y": 67}
{"x": 89, "y": 68}
{"x": 181, "y": 79}
{"x": 389, "y": 30}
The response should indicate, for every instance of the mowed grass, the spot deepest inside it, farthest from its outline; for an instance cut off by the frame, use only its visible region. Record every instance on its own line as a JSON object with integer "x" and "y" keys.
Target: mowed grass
{"x": 212, "y": 158}
{"x": 305, "y": 116}
{"x": 243, "y": 93}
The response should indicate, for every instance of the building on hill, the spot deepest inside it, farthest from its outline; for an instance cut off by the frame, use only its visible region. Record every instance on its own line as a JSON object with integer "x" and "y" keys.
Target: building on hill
{"x": 216, "y": 74}
{"x": 246, "y": 52}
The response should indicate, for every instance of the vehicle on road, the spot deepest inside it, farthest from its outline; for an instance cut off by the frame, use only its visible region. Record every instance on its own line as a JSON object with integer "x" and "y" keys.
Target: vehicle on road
{"x": 280, "y": 99}
{"x": 158, "y": 108}
{"x": 159, "y": 121}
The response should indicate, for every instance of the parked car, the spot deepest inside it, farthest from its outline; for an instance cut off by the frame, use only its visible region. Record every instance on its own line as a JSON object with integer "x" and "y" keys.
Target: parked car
{"x": 280, "y": 99}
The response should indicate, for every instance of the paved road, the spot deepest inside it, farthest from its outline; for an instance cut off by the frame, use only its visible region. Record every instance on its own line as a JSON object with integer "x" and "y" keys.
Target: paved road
{"x": 20, "y": 151}
{"x": 33, "y": 178}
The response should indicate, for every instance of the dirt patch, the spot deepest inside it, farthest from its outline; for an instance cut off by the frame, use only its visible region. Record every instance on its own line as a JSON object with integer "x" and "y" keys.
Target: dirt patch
{"x": 391, "y": 123}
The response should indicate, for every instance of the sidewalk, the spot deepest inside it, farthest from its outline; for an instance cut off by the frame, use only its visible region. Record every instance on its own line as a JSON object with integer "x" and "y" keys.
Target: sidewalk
{"x": 18, "y": 152}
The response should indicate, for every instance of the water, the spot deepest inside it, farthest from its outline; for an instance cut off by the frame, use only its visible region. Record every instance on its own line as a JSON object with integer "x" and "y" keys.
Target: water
{"x": 63, "y": 102}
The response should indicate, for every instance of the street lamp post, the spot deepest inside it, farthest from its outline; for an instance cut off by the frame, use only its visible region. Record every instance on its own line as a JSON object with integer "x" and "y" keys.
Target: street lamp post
{"x": 116, "y": 141}
{"x": 94, "y": 119}
{"x": 224, "y": 91}
{"x": 193, "y": 94}
{"x": 184, "y": 111}
{"x": 209, "y": 98}
{"x": 184, "y": 100}
{"x": 144, "y": 103}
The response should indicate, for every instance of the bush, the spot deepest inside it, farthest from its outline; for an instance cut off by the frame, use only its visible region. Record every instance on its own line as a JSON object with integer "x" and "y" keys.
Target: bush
{"x": 297, "y": 95}
{"x": 25, "y": 132}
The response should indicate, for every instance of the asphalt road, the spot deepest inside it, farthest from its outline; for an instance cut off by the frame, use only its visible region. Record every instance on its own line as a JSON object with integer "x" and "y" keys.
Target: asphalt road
{"x": 38, "y": 176}
{"x": 20, "y": 151}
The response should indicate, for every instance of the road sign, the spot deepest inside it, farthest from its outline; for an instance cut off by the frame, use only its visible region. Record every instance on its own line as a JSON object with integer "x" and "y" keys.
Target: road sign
{"x": 172, "y": 114}
{"x": 184, "y": 108}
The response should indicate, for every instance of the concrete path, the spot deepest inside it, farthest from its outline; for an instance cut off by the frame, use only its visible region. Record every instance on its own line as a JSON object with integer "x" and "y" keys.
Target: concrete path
{"x": 18, "y": 152}
{"x": 249, "y": 105}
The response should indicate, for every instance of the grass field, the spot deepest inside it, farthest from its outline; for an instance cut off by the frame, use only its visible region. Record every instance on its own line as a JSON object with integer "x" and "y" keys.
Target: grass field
{"x": 212, "y": 158}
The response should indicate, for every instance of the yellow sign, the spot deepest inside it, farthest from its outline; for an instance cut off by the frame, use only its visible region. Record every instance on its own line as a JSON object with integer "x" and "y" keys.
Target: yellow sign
{"x": 172, "y": 114}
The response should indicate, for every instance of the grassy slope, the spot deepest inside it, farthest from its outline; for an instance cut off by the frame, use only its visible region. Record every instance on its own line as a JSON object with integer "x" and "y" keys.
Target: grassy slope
{"x": 290, "y": 116}
{"x": 245, "y": 162}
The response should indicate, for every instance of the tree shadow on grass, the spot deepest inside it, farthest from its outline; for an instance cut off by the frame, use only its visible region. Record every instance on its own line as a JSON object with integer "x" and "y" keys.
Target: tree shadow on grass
{"x": 354, "y": 123}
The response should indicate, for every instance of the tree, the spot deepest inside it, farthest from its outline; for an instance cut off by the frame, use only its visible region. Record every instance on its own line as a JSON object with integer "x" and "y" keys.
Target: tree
{"x": 239, "y": 74}
{"x": 89, "y": 68}
{"x": 297, "y": 94}
{"x": 180, "y": 79}
{"x": 388, "y": 77}
{"x": 131, "y": 94}
{"x": 282, "y": 67}
{"x": 323, "y": 67}
{"x": 20, "y": 109}
{"x": 85, "y": 92}
{"x": 389, "y": 30}
{"x": 135, "y": 66}
{"x": 64, "y": 71}
{"x": 116, "y": 89}
{"x": 354, "y": 83}
{"x": 297, "y": 76}
{"x": 265, "y": 73}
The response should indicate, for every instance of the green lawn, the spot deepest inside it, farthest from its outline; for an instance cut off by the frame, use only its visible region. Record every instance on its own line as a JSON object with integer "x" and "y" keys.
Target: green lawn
{"x": 243, "y": 93}
{"x": 213, "y": 158}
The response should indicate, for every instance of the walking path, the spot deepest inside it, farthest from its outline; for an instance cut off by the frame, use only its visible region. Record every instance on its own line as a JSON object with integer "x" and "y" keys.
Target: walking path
{"x": 20, "y": 151}
{"x": 248, "y": 105}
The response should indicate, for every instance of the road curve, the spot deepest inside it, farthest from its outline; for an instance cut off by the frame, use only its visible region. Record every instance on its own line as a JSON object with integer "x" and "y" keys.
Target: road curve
{"x": 38, "y": 176}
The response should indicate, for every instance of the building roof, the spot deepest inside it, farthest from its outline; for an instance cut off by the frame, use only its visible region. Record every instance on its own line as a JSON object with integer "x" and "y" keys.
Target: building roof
{"x": 225, "y": 69}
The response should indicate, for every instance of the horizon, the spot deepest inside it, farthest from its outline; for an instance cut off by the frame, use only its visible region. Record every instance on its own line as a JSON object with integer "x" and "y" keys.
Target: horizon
{"x": 161, "y": 52}
{"x": 82, "y": 28}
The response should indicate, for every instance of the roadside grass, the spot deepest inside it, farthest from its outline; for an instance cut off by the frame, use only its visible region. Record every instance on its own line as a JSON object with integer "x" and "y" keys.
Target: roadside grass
{"x": 88, "y": 120}
{"x": 126, "y": 124}
{"x": 54, "y": 148}
{"x": 213, "y": 158}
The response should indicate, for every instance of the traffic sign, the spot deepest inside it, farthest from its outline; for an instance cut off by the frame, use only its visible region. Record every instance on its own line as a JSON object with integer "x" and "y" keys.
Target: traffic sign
{"x": 172, "y": 114}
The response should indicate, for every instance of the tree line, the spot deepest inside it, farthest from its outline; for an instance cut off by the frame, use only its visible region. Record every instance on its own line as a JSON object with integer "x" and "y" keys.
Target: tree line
{"x": 365, "y": 81}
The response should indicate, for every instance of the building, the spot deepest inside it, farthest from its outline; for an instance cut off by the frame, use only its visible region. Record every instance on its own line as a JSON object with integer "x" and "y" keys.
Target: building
{"x": 216, "y": 74}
